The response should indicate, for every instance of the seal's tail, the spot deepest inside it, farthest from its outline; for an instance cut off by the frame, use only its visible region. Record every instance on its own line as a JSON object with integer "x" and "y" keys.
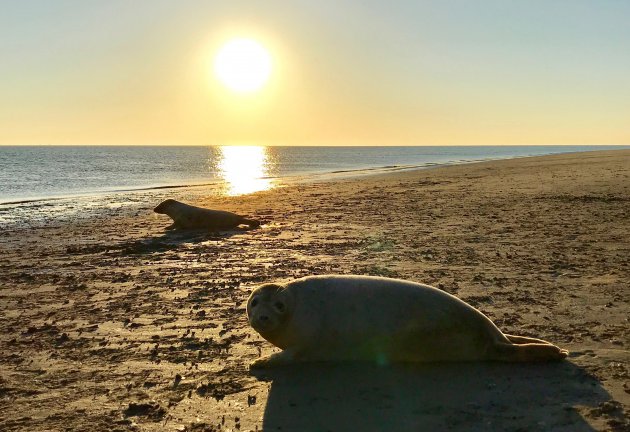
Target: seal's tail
{"x": 251, "y": 222}
{"x": 526, "y": 349}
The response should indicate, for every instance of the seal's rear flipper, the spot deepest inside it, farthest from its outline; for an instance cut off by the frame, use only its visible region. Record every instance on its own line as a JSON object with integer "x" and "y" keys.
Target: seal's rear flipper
{"x": 251, "y": 222}
{"x": 528, "y": 352}
{"x": 518, "y": 340}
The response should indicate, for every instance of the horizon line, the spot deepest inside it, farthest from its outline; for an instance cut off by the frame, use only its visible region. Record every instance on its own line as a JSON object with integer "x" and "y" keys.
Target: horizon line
{"x": 314, "y": 145}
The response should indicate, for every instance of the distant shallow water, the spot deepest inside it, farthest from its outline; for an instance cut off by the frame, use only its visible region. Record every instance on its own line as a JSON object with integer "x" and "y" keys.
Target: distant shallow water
{"x": 49, "y": 182}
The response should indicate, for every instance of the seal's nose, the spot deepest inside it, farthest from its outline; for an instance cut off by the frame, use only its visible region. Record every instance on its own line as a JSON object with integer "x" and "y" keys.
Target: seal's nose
{"x": 262, "y": 321}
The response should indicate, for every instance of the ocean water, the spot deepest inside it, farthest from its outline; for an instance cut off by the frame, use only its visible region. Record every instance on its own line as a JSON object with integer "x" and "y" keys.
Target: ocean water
{"x": 33, "y": 178}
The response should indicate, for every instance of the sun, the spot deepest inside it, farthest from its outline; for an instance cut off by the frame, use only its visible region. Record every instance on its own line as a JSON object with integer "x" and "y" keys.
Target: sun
{"x": 243, "y": 65}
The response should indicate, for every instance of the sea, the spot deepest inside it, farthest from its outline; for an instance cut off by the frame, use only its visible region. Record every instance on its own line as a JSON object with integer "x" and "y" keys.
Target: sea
{"x": 44, "y": 183}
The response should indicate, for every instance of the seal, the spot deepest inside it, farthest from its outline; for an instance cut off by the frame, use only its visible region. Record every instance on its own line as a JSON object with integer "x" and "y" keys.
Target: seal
{"x": 381, "y": 320}
{"x": 190, "y": 217}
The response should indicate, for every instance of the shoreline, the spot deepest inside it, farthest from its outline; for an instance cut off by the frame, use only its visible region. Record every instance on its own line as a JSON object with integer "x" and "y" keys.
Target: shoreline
{"x": 289, "y": 178}
{"x": 82, "y": 201}
{"x": 111, "y": 323}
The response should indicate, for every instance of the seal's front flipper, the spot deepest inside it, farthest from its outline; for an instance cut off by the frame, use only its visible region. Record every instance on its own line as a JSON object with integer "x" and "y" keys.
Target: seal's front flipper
{"x": 282, "y": 358}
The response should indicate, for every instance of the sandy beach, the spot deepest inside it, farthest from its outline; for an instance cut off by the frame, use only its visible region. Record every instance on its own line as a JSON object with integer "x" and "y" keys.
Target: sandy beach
{"x": 113, "y": 324}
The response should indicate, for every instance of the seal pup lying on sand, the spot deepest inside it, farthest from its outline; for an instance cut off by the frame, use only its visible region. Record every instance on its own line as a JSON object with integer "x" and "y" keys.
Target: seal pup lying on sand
{"x": 363, "y": 318}
{"x": 190, "y": 217}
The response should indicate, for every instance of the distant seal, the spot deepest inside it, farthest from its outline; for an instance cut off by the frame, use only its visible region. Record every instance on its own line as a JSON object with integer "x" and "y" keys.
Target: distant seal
{"x": 190, "y": 217}
{"x": 363, "y": 318}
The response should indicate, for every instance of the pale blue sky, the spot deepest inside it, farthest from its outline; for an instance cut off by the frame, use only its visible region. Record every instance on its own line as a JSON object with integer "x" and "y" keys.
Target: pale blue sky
{"x": 359, "y": 72}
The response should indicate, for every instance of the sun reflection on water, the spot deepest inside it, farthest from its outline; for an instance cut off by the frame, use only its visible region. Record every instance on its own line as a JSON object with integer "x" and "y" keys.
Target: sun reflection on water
{"x": 245, "y": 169}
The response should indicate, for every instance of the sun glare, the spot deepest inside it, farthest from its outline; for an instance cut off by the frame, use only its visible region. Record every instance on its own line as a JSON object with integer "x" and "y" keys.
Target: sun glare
{"x": 245, "y": 169}
{"x": 243, "y": 65}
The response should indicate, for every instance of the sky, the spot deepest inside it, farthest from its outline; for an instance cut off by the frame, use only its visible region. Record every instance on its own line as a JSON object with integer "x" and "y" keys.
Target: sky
{"x": 344, "y": 72}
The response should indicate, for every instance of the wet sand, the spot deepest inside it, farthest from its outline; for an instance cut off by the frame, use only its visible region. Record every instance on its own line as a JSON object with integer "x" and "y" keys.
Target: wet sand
{"x": 112, "y": 324}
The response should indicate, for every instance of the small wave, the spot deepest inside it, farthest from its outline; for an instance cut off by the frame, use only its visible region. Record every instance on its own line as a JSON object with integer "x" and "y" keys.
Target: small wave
{"x": 381, "y": 168}
{"x": 81, "y": 195}
{"x": 28, "y": 201}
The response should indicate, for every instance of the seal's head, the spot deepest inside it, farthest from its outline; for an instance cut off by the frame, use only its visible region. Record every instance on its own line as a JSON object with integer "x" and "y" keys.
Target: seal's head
{"x": 162, "y": 207}
{"x": 269, "y": 307}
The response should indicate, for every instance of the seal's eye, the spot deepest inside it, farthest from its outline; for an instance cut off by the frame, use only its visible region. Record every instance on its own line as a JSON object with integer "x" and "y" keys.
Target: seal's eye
{"x": 255, "y": 302}
{"x": 279, "y": 306}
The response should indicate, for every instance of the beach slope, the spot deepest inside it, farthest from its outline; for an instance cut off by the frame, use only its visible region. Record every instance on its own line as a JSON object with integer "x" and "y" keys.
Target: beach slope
{"x": 113, "y": 324}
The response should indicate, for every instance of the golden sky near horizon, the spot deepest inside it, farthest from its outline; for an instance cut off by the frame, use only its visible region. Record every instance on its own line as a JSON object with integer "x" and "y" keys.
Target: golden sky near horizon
{"x": 359, "y": 73}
